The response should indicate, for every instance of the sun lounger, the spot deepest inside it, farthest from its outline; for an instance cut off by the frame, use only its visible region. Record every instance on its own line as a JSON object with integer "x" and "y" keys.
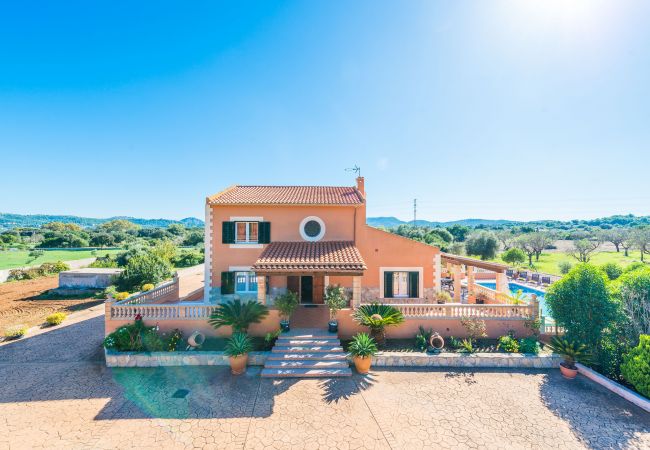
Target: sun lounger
{"x": 523, "y": 276}
{"x": 510, "y": 273}
{"x": 546, "y": 280}
{"x": 535, "y": 278}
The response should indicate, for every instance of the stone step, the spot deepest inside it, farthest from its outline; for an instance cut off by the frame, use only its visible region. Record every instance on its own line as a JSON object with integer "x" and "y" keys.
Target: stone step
{"x": 318, "y": 356}
{"x": 306, "y": 373}
{"x": 308, "y": 334}
{"x": 304, "y": 342}
{"x": 306, "y": 364}
{"x": 307, "y": 349}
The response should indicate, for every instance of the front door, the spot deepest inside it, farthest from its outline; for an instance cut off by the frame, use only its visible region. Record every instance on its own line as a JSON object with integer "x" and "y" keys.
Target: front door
{"x": 306, "y": 289}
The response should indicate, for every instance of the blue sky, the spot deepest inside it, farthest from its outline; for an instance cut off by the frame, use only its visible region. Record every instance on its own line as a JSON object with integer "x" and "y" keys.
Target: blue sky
{"x": 493, "y": 109}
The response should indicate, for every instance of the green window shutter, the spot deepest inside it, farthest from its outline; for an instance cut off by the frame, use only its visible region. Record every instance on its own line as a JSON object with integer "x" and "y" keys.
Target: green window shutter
{"x": 264, "y": 231}
{"x": 388, "y": 284}
{"x": 414, "y": 284}
{"x": 227, "y": 283}
{"x": 228, "y": 232}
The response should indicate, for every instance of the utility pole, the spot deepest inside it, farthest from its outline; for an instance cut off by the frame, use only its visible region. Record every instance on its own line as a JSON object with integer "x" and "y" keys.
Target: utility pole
{"x": 415, "y": 210}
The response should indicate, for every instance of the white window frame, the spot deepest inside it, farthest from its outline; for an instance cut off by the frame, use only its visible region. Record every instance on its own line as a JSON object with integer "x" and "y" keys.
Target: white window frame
{"x": 248, "y": 231}
{"x": 305, "y": 236}
{"x": 420, "y": 270}
{"x": 250, "y": 276}
{"x": 404, "y": 274}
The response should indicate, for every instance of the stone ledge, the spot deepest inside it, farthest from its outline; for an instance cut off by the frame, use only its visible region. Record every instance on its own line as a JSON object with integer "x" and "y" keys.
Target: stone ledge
{"x": 383, "y": 359}
{"x": 616, "y": 388}
{"x": 505, "y": 360}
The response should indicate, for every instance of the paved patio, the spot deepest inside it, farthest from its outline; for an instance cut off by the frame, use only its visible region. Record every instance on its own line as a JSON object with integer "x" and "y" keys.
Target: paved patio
{"x": 56, "y": 393}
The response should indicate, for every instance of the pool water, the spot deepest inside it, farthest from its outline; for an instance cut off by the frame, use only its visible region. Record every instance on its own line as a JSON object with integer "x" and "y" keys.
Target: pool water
{"x": 526, "y": 290}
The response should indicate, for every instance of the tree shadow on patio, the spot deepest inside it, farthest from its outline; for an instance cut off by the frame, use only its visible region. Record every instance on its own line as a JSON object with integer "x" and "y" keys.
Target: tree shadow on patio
{"x": 596, "y": 416}
{"x": 337, "y": 389}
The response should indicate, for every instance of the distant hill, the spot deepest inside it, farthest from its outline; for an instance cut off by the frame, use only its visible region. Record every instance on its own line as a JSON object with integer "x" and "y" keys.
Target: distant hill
{"x": 8, "y": 221}
{"x": 394, "y": 221}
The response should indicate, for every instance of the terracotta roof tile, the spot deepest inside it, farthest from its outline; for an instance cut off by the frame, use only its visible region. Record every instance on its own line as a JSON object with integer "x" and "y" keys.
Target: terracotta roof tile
{"x": 321, "y": 256}
{"x": 287, "y": 195}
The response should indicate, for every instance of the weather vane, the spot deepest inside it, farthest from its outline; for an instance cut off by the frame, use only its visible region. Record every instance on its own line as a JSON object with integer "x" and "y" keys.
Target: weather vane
{"x": 356, "y": 169}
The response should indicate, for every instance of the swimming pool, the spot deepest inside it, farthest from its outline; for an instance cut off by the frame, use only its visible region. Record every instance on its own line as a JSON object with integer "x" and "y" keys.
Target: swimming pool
{"x": 526, "y": 290}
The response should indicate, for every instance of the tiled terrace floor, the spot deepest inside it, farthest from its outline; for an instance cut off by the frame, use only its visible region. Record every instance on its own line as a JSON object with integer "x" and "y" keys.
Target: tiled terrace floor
{"x": 56, "y": 393}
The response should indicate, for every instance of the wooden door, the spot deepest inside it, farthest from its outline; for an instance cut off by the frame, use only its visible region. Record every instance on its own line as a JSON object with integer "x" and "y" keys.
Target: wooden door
{"x": 319, "y": 287}
{"x": 293, "y": 284}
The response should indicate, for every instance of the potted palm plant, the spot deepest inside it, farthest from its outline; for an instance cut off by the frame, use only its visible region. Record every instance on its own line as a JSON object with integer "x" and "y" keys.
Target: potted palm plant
{"x": 238, "y": 315}
{"x": 335, "y": 299}
{"x": 237, "y": 349}
{"x": 377, "y": 317}
{"x": 362, "y": 348}
{"x": 572, "y": 352}
{"x": 286, "y": 304}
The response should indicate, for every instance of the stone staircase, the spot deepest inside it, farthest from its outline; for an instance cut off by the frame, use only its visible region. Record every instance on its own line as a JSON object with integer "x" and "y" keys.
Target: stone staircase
{"x": 307, "y": 353}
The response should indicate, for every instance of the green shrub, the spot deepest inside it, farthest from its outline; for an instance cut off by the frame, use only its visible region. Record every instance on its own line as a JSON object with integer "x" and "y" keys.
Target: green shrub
{"x": 104, "y": 262}
{"x": 238, "y": 344}
{"x": 238, "y": 315}
{"x": 454, "y": 342}
{"x": 636, "y": 366}
{"x": 467, "y": 346}
{"x": 612, "y": 270}
{"x": 635, "y": 266}
{"x": 134, "y": 337}
{"x": 173, "y": 340}
{"x": 581, "y": 303}
{"x": 286, "y": 304}
{"x": 270, "y": 338}
{"x": 565, "y": 267}
{"x": 335, "y": 299}
{"x": 16, "y": 331}
{"x": 119, "y": 296}
{"x": 142, "y": 269}
{"x": 476, "y": 328}
{"x": 571, "y": 351}
{"x": 529, "y": 345}
{"x": 633, "y": 289}
{"x": 508, "y": 344}
{"x": 377, "y": 317}
{"x": 56, "y": 318}
{"x": 362, "y": 346}
{"x": 422, "y": 338}
{"x": 187, "y": 259}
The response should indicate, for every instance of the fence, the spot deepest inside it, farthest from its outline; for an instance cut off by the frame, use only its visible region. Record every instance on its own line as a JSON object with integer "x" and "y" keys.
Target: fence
{"x": 168, "y": 291}
{"x": 456, "y": 311}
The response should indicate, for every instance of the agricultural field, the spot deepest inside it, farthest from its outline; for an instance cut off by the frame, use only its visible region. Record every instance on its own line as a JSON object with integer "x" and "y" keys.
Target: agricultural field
{"x": 12, "y": 259}
{"x": 27, "y": 302}
{"x": 548, "y": 262}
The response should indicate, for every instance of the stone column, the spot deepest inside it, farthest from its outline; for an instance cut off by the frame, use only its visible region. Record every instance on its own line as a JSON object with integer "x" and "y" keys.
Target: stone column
{"x": 455, "y": 270}
{"x": 207, "y": 242}
{"x": 502, "y": 283}
{"x": 437, "y": 272}
{"x": 471, "y": 295}
{"x": 356, "y": 292}
{"x": 261, "y": 289}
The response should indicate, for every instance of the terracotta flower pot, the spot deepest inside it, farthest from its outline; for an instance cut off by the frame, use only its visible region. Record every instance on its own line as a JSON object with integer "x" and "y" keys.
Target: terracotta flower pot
{"x": 567, "y": 372}
{"x": 238, "y": 364}
{"x": 362, "y": 364}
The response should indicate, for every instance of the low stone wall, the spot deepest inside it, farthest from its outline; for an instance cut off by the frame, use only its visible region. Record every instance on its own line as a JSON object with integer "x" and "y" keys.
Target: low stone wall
{"x": 383, "y": 359}
{"x": 163, "y": 359}
{"x": 513, "y": 360}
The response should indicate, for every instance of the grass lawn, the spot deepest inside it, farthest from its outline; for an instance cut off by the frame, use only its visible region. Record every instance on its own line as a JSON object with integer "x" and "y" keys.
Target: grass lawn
{"x": 12, "y": 259}
{"x": 548, "y": 262}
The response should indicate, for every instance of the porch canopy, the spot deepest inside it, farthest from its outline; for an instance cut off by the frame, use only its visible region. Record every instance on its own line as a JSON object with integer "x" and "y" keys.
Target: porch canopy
{"x": 297, "y": 258}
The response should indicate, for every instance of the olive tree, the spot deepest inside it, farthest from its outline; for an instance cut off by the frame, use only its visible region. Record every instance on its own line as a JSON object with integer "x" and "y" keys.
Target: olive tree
{"x": 482, "y": 244}
{"x": 583, "y": 249}
{"x": 641, "y": 239}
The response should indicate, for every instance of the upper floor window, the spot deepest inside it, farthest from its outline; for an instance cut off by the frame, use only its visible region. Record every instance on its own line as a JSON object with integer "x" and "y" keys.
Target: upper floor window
{"x": 246, "y": 232}
{"x": 312, "y": 228}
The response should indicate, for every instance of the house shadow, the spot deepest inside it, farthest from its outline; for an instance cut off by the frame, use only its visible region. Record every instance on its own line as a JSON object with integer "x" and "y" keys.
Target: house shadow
{"x": 68, "y": 363}
{"x": 598, "y": 417}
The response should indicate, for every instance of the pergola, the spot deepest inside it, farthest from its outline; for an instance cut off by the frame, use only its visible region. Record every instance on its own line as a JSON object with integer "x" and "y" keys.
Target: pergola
{"x": 458, "y": 262}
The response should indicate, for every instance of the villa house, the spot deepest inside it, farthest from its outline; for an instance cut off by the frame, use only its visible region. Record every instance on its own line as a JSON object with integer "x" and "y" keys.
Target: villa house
{"x": 261, "y": 241}
{"x": 264, "y": 240}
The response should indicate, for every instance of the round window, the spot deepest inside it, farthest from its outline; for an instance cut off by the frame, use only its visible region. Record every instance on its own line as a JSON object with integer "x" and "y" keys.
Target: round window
{"x": 312, "y": 228}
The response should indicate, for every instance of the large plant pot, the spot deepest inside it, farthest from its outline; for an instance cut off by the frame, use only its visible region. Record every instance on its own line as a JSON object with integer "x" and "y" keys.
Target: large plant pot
{"x": 362, "y": 364}
{"x": 238, "y": 364}
{"x": 333, "y": 326}
{"x": 567, "y": 372}
{"x": 284, "y": 325}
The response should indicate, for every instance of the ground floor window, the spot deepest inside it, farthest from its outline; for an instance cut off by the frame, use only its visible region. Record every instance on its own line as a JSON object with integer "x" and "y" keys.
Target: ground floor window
{"x": 245, "y": 282}
{"x": 401, "y": 283}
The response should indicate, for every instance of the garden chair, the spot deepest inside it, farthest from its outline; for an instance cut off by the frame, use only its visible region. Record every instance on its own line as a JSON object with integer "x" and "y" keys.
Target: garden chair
{"x": 523, "y": 276}
{"x": 535, "y": 278}
{"x": 546, "y": 280}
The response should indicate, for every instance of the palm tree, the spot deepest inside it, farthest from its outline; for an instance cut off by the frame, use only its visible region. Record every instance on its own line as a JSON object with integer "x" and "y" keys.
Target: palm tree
{"x": 377, "y": 317}
{"x": 239, "y": 315}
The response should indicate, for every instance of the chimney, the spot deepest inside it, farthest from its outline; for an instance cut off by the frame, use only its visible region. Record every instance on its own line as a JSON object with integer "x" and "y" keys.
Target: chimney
{"x": 361, "y": 186}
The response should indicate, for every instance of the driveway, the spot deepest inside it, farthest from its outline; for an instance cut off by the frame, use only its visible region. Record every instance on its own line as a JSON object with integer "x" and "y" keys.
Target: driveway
{"x": 56, "y": 393}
